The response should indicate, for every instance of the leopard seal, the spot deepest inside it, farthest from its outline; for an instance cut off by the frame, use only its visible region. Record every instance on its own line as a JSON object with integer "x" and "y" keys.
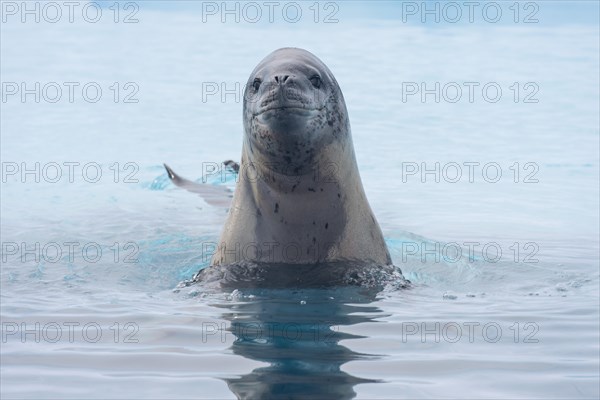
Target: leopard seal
{"x": 299, "y": 214}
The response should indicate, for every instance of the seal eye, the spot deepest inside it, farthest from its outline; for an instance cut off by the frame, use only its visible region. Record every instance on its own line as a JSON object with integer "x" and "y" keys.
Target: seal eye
{"x": 316, "y": 81}
{"x": 256, "y": 83}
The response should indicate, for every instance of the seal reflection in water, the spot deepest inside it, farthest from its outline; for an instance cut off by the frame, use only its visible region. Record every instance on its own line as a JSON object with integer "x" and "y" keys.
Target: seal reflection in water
{"x": 298, "y": 345}
{"x": 299, "y": 215}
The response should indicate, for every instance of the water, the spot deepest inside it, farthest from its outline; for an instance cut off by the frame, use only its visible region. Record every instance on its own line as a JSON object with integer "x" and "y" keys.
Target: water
{"x": 109, "y": 325}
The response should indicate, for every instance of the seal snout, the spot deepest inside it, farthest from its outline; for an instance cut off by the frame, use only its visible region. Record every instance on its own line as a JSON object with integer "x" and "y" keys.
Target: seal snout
{"x": 284, "y": 91}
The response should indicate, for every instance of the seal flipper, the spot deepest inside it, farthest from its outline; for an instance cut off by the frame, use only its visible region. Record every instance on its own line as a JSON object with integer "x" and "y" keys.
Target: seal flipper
{"x": 232, "y": 165}
{"x": 177, "y": 180}
{"x": 214, "y": 195}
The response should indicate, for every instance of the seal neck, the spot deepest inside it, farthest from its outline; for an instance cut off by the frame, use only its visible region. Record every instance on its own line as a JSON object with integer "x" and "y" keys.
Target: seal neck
{"x": 325, "y": 173}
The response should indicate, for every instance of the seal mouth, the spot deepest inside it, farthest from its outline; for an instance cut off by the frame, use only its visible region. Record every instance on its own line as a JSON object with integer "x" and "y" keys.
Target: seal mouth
{"x": 292, "y": 109}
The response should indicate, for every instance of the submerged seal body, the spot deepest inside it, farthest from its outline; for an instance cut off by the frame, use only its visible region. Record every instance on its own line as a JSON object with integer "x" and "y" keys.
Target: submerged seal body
{"x": 299, "y": 206}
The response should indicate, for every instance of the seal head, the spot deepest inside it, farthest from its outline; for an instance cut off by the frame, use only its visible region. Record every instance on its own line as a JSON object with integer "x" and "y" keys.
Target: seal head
{"x": 293, "y": 108}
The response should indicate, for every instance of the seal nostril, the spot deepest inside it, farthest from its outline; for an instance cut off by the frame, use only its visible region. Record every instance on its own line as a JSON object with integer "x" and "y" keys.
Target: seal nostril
{"x": 281, "y": 79}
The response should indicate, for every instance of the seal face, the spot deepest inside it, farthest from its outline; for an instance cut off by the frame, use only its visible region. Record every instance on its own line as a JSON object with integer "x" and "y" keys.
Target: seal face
{"x": 299, "y": 199}
{"x": 293, "y": 108}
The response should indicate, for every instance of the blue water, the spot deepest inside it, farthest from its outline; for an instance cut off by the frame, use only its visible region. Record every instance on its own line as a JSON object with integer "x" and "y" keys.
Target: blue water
{"x": 108, "y": 322}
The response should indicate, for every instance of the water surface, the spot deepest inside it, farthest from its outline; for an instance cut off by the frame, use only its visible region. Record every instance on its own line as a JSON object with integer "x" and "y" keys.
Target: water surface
{"x": 520, "y": 325}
